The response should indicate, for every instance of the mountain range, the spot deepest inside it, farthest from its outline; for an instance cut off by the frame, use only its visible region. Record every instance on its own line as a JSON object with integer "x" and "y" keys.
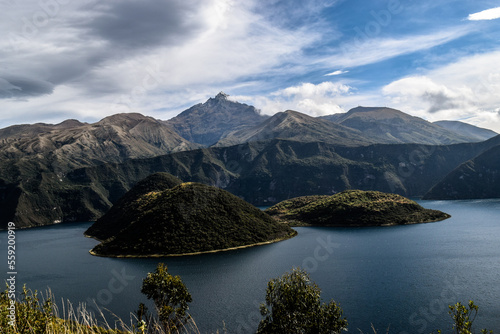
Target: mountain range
{"x": 468, "y": 130}
{"x": 386, "y": 125}
{"x": 297, "y": 126}
{"x": 75, "y": 171}
{"x": 73, "y": 144}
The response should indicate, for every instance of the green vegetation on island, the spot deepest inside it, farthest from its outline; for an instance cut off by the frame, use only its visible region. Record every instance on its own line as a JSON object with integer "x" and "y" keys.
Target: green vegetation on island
{"x": 118, "y": 217}
{"x": 187, "y": 219}
{"x": 353, "y": 208}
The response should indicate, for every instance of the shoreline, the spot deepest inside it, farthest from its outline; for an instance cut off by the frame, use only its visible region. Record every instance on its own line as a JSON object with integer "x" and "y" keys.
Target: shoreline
{"x": 199, "y": 253}
{"x": 292, "y": 224}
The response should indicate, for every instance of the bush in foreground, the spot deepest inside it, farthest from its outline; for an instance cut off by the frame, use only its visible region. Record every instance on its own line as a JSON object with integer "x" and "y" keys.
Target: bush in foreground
{"x": 463, "y": 318}
{"x": 171, "y": 298}
{"x": 293, "y": 305}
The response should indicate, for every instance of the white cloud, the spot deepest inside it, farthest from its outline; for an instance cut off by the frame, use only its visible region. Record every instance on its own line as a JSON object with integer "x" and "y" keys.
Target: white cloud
{"x": 230, "y": 43}
{"x": 313, "y": 99}
{"x": 364, "y": 50}
{"x": 466, "y": 89}
{"x": 488, "y": 14}
{"x": 338, "y": 72}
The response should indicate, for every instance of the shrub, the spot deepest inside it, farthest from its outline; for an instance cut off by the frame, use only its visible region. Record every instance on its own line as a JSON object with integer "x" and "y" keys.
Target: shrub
{"x": 293, "y": 305}
{"x": 463, "y": 318}
{"x": 170, "y": 297}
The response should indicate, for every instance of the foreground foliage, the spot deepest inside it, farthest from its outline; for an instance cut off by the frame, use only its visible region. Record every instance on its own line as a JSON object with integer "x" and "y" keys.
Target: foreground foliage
{"x": 38, "y": 314}
{"x": 293, "y": 305}
{"x": 463, "y": 318}
{"x": 171, "y": 298}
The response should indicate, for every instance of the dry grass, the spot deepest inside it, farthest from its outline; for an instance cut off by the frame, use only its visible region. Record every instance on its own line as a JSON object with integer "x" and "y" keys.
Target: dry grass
{"x": 37, "y": 313}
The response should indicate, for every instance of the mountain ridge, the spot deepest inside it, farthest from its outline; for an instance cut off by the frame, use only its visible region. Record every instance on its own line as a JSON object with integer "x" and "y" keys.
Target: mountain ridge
{"x": 394, "y": 126}
{"x": 76, "y": 144}
{"x": 74, "y": 171}
{"x": 294, "y": 125}
{"x": 470, "y": 130}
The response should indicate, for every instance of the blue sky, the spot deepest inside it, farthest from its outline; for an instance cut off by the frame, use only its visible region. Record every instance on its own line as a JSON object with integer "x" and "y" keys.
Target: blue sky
{"x": 88, "y": 59}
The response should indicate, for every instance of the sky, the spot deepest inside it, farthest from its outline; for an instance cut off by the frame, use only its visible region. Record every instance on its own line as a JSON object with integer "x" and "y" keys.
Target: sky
{"x": 88, "y": 59}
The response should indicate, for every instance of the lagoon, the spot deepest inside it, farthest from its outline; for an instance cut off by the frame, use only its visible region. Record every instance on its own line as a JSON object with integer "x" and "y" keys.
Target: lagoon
{"x": 402, "y": 277}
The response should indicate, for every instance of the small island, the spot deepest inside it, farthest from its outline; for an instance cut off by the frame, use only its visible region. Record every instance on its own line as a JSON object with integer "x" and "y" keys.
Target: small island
{"x": 186, "y": 219}
{"x": 353, "y": 208}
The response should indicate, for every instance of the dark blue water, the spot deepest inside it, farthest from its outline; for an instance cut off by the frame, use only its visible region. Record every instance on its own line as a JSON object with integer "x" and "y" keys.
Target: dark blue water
{"x": 399, "y": 277}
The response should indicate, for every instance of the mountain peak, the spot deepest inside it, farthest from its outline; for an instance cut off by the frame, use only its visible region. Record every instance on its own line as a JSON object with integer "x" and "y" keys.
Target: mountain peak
{"x": 221, "y": 96}
{"x": 207, "y": 123}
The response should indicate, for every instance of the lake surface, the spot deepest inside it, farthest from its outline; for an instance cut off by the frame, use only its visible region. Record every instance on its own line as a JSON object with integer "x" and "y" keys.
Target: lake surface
{"x": 400, "y": 277}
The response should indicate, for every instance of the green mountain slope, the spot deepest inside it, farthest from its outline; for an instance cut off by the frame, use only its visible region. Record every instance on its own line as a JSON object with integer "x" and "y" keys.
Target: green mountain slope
{"x": 476, "y": 178}
{"x": 387, "y": 125}
{"x": 190, "y": 218}
{"x": 354, "y": 208}
{"x": 119, "y": 215}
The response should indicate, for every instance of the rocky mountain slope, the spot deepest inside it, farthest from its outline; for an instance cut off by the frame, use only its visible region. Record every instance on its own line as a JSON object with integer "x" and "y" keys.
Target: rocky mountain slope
{"x": 206, "y": 123}
{"x": 390, "y": 125}
{"x": 72, "y": 144}
{"x": 297, "y": 126}
{"x": 465, "y": 129}
{"x": 34, "y": 160}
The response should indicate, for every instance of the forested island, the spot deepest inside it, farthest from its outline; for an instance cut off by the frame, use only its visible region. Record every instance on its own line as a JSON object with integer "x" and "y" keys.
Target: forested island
{"x": 190, "y": 218}
{"x": 353, "y": 208}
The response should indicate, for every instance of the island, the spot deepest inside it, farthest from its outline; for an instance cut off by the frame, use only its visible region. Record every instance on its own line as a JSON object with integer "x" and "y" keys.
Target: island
{"x": 186, "y": 219}
{"x": 120, "y": 215}
{"x": 353, "y": 208}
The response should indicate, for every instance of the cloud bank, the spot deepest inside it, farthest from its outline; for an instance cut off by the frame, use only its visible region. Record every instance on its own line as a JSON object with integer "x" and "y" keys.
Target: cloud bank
{"x": 467, "y": 89}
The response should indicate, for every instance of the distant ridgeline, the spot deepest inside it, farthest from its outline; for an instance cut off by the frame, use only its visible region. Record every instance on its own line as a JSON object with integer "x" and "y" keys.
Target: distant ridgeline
{"x": 353, "y": 208}
{"x": 76, "y": 171}
{"x": 181, "y": 218}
